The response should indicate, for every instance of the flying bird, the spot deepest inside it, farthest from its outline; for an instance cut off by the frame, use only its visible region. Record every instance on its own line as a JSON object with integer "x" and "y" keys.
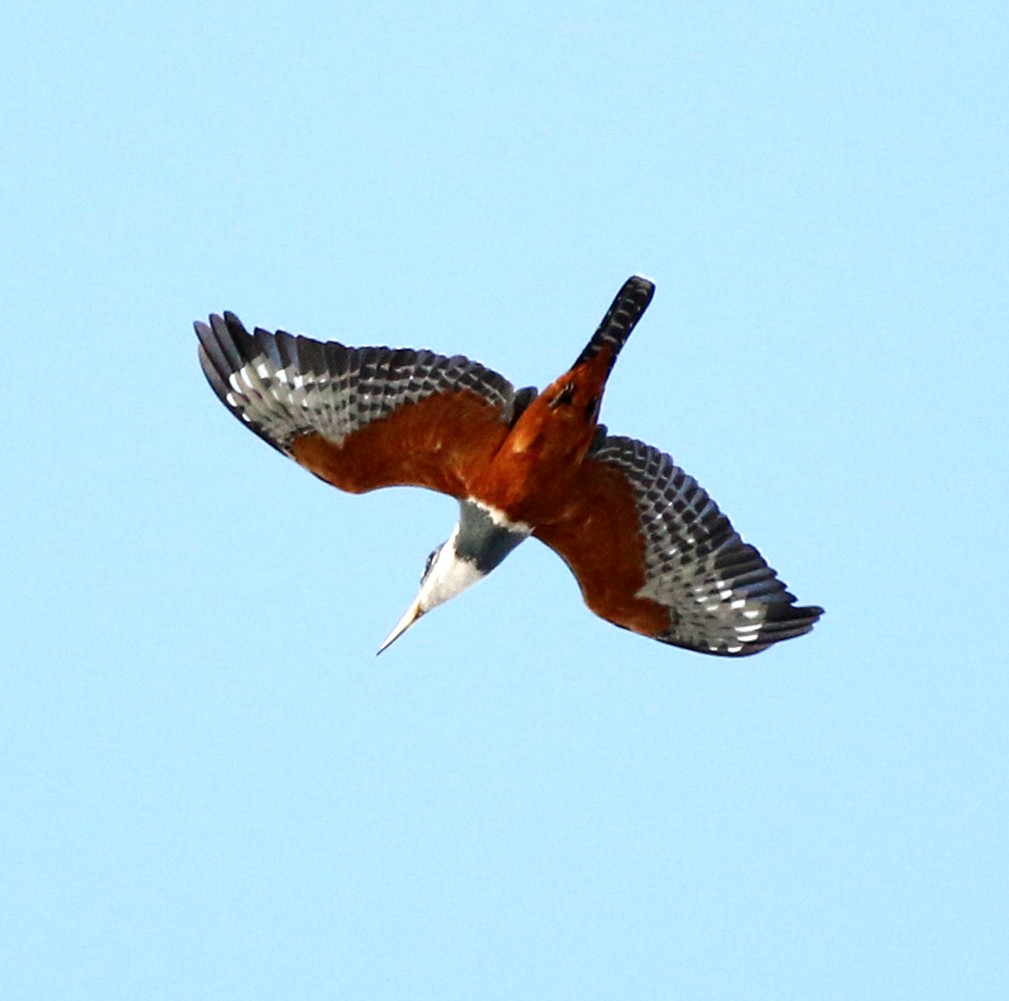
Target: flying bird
{"x": 649, "y": 548}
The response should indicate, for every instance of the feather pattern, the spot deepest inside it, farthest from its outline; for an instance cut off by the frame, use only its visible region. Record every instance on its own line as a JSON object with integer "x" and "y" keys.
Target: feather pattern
{"x": 721, "y": 595}
{"x": 284, "y": 387}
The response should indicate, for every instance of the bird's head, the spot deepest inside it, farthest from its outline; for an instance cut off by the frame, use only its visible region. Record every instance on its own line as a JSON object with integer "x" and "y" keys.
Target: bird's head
{"x": 446, "y": 574}
{"x": 477, "y": 544}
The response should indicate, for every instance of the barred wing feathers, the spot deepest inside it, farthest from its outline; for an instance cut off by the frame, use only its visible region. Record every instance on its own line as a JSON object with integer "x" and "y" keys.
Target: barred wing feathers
{"x": 360, "y": 418}
{"x": 652, "y": 552}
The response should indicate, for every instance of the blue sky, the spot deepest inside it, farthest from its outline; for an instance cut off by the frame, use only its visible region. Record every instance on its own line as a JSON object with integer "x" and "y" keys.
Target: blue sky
{"x": 211, "y": 788}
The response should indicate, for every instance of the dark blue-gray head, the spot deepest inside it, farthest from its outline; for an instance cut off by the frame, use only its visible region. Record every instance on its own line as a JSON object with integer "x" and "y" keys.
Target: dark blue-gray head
{"x": 481, "y": 540}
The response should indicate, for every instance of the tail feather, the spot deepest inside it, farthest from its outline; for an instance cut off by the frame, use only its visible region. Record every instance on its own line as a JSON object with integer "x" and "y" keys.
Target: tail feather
{"x": 627, "y": 308}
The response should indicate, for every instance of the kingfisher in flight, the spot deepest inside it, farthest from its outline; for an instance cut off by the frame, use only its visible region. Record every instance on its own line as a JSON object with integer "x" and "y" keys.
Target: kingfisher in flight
{"x": 650, "y": 550}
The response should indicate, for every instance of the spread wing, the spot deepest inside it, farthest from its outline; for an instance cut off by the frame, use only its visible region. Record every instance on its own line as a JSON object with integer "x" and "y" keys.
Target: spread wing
{"x": 361, "y": 418}
{"x": 653, "y": 553}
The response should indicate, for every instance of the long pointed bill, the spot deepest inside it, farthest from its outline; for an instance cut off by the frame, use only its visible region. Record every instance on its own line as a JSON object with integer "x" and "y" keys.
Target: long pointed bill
{"x": 413, "y": 613}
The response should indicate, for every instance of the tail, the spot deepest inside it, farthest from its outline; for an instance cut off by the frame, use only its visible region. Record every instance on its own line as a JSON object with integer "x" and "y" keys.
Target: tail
{"x": 631, "y": 302}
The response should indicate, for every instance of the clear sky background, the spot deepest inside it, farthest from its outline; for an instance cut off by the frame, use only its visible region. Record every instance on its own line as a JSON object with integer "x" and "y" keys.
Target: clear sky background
{"x": 210, "y": 788}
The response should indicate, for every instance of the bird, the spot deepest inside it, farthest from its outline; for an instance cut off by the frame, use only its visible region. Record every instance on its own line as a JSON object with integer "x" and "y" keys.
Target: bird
{"x": 650, "y": 550}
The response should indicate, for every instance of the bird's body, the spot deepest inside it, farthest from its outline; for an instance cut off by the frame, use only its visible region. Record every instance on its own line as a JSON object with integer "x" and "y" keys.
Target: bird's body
{"x": 649, "y": 548}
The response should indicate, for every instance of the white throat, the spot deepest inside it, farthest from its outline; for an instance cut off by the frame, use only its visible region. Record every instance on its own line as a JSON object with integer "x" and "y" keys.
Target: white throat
{"x": 448, "y": 577}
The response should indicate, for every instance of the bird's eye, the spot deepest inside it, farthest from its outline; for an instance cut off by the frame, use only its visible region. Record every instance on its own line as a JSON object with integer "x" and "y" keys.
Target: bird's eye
{"x": 430, "y": 563}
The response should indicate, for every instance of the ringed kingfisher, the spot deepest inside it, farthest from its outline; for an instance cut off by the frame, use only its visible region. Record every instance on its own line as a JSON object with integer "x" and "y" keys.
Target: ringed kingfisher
{"x": 649, "y": 548}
